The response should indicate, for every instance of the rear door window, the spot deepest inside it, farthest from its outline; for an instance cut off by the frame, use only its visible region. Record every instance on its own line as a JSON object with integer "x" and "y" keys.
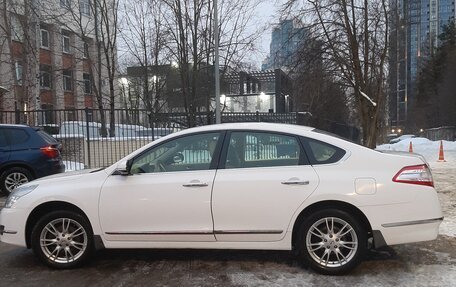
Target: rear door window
{"x": 263, "y": 149}
{"x": 320, "y": 152}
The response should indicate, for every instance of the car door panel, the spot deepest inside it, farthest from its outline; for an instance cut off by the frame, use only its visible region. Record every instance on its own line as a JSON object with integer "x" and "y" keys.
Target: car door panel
{"x": 4, "y": 148}
{"x": 255, "y": 204}
{"x": 157, "y": 207}
{"x": 167, "y": 196}
{"x": 263, "y": 179}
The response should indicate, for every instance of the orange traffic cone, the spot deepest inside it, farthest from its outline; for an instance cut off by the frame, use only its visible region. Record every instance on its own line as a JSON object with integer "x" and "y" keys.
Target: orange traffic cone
{"x": 441, "y": 155}
{"x": 410, "y": 147}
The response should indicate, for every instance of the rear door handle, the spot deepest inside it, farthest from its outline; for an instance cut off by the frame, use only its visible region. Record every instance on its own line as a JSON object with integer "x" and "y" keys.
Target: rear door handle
{"x": 195, "y": 184}
{"x": 296, "y": 182}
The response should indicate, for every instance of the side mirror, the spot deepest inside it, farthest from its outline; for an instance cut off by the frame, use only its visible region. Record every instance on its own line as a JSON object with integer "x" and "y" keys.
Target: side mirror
{"x": 129, "y": 165}
{"x": 123, "y": 168}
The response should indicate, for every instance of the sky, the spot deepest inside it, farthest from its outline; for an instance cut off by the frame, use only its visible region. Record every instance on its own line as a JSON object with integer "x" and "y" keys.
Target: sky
{"x": 267, "y": 16}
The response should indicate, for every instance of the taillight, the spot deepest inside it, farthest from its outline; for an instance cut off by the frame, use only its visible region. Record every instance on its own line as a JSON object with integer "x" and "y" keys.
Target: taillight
{"x": 416, "y": 174}
{"x": 50, "y": 151}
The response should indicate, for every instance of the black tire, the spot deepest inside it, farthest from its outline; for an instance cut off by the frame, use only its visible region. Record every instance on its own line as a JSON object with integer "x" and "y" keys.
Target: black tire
{"x": 23, "y": 175}
{"x": 53, "y": 254}
{"x": 331, "y": 241}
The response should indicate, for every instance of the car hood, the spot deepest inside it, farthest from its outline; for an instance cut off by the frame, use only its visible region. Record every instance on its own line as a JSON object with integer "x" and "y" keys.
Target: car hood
{"x": 66, "y": 175}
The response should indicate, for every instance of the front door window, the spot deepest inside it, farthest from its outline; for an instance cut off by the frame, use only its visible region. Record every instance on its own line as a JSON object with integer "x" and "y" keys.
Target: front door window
{"x": 188, "y": 153}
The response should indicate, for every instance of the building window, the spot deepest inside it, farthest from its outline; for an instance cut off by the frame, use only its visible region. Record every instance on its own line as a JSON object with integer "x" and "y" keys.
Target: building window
{"x": 49, "y": 119}
{"x": 84, "y": 7}
{"x": 45, "y": 76}
{"x": 86, "y": 50}
{"x": 44, "y": 38}
{"x": 18, "y": 67}
{"x": 66, "y": 42}
{"x": 67, "y": 80}
{"x": 87, "y": 78}
{"x": 17, "y": 33}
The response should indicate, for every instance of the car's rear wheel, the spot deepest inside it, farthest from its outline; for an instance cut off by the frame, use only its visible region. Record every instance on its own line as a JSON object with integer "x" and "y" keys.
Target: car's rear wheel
{"x": 332, "y": 241}
{"x": 62, "y": 239}
{"x": 14, "y": 177}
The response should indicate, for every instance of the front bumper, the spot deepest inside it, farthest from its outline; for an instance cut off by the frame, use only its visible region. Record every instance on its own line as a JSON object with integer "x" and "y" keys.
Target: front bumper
{"x": 12, "y": 226}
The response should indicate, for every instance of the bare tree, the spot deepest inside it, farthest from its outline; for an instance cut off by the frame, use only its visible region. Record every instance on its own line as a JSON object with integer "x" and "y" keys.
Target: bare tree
{"x": 190, "y": 27}
{"x": 355, "y": 38}
{"x": 144, "y": 38}
{"x": 315, "y": 89}
{"x": 107, "y": 11}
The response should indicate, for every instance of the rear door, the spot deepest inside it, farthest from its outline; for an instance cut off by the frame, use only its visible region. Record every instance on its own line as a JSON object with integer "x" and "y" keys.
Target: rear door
{"x": 20, "y": 146}
{"x": 263, "y": 179}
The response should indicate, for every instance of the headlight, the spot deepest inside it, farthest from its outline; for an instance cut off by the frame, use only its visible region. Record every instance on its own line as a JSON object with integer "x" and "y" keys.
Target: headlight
{"x": 18, "y": 193}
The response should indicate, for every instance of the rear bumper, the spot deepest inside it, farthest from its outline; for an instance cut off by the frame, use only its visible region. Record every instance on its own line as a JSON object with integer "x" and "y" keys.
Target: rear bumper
{"x": 415, "y": 222}
{"x": 50, "y": 168}
{"x": 407, "y": 231}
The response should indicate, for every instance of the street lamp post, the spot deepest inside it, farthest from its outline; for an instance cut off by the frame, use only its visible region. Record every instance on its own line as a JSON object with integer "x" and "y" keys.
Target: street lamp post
{"x": 218, "y": 118}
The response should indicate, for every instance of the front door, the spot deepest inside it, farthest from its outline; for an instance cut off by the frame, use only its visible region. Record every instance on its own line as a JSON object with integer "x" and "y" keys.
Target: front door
{"x": 168, "y": 195}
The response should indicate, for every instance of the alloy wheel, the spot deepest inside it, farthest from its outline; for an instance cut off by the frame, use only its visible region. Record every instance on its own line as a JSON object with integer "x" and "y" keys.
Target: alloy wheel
{"x": 63, "y": 240}
{"x": 331, "y": 242}
{"x": 14, "y": 180}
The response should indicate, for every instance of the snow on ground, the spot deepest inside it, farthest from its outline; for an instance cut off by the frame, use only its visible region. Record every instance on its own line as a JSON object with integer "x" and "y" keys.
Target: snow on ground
{"x": 72, "y": 165}
{"x": 429, "y": 149}
{"x": 444, "y": 174}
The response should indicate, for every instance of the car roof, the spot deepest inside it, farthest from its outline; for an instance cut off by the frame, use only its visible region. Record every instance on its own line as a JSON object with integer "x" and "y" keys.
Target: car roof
{"x": 13, "y": 126}
{"x": 250, "y": 126}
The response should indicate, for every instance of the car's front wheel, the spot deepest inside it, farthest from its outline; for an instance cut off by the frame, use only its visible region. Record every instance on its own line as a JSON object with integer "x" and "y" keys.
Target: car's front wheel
{"x": 332, "y": 241}
{"x": 62, "y": 239}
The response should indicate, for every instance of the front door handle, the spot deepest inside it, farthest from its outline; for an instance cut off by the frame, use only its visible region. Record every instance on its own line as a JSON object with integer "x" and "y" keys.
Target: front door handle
{"x": 296, "y": 182}
{"x": 195, "y": 184}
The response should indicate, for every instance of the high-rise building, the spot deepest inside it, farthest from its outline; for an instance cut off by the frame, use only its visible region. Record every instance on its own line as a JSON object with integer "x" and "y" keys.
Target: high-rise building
{"x": 286, "y": 39}
{"x": 414, "y": 29}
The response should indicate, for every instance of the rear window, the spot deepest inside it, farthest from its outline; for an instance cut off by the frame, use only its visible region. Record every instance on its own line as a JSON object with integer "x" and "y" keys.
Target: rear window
{"x": 322, "y": 153}
{"x": 48, "y": 138}
{"x": 16, "y": 136}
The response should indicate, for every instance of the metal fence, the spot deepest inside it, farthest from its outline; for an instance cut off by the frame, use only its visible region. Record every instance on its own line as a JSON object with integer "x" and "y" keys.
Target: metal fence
{"x": 95, "y": 138}
{"x": 442, "y": 133}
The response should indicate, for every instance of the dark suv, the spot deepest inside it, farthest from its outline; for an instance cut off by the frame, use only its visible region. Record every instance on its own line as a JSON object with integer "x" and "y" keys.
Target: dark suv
{"x": 25, "y": 154}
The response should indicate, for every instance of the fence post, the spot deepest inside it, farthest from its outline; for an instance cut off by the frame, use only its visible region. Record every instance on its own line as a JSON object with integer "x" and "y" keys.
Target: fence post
{"x": 17, "y": 116}
{"x": 258, "y": 116}
{"x": 88, "y": 135}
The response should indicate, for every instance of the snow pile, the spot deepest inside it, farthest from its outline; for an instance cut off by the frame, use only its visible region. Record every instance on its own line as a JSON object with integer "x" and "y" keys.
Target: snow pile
{"x": 429, "y": 149}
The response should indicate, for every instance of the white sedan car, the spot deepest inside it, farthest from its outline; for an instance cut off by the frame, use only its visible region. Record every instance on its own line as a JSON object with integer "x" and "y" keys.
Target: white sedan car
{"x": 231, "y": 186}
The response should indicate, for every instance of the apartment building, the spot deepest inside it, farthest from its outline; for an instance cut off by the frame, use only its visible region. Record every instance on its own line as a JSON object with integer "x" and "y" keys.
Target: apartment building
{"x": 414, "y": 29}
{"x": 49, "y": 58}
{"x": 286, "y": 39}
